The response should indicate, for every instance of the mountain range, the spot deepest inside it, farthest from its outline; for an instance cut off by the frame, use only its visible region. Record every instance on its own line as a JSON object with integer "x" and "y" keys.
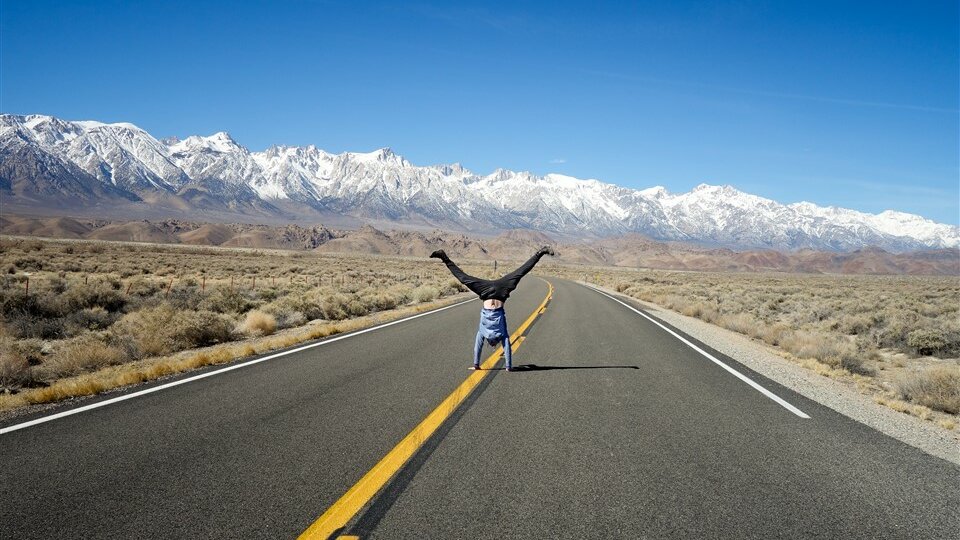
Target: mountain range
{"x": 53, "y": 166}
{"x": 629, "y": 250}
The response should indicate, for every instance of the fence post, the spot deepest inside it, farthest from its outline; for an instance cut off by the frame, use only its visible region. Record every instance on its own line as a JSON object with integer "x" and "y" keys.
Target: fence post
{"x": 203, "y": 283}
{"x": 27, "y": 286}
{"x": 254, "y": 284}
{"x": 231, "y": 283}
{"x": 129, "y": 285}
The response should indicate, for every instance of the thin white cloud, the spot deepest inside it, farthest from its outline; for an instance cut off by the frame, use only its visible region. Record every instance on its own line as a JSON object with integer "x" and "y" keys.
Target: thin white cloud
{"x": 558, "y": 161}
{"x": 906, "y": 189}
{"x": 783, "y": 95}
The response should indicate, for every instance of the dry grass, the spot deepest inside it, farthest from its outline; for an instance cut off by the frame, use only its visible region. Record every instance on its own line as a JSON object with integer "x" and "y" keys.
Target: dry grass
{"x": 258, "y": 323}
{"x": 80, "y": 354}
{"x": 14, "y": 367}
{"x": 108, "y": 378}
{"x": 937, "y": 388}
{"x": 78, "y": 317}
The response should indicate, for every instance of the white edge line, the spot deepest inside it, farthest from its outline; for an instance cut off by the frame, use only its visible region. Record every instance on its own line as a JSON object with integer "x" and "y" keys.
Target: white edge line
{"x": 709, "y": 356}
{"x": 216, "y": 372}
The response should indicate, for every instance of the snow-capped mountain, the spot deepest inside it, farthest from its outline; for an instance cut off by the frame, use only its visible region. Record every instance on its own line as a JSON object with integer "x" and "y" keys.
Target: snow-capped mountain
{"x": 47, "y": 161}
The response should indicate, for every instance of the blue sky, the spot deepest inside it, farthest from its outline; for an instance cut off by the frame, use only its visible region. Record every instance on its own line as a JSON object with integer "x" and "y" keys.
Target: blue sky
{"x": 851, "y": 104}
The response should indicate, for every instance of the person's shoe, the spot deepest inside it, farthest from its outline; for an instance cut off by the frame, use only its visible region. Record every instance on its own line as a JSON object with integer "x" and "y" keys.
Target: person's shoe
{"x": 547, "y": 250}
{"x": 510, "y": 369}
{"x": 438, "y": 254}
{"x": 474, "y": 368}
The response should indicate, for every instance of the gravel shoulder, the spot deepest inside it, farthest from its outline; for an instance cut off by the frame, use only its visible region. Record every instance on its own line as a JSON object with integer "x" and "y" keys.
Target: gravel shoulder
{"x": 837, "y": 395}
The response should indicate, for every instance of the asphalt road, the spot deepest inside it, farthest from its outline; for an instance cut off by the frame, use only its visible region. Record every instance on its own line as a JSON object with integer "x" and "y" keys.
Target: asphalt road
{"x": 613, "y": 429}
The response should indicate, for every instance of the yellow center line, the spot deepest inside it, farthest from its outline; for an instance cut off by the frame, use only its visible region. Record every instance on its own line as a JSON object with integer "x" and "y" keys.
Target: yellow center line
{"x": 357, "y": 496}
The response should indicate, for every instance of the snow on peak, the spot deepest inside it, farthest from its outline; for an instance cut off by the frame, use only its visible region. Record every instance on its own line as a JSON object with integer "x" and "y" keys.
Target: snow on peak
{"x": 221, "y": 141}
{"x": 222, "y": 136}
{"x": 567, "y": 182}
{"x": 380, "y": 155}
{"x": 93, "y": 124}
{"x": 455, "y": 169}
{"x": 725, "y": 189}
{"x": 34, "y": 120}
{"x": 218, "y": 142}
{"x": 656, "y": 192}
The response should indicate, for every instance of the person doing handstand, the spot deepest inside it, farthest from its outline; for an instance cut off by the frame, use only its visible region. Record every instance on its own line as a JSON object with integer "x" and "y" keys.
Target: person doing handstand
{"x": 493, "y": 292}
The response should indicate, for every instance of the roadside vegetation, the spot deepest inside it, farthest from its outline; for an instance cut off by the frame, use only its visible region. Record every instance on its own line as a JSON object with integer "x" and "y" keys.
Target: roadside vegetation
{"x": 896, "y": 337}
{"x": 124, "y": 312}
{"x": 81, "y": 317}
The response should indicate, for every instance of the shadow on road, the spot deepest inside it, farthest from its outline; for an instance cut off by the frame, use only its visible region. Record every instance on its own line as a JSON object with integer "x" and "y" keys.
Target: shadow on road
{"x": 534, "y": 367}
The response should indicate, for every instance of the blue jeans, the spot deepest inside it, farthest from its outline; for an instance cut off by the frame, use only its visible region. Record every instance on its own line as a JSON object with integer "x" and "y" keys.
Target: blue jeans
{"x": 478, "y": 346}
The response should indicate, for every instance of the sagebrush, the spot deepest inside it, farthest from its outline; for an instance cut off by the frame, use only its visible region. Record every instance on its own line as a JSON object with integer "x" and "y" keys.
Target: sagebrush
{"x": 68, "y": 307}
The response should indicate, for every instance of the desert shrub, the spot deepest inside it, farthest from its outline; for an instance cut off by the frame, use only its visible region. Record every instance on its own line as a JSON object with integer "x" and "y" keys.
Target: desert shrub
{"x": 739, "y": 322}
{"x": 894, "y": 333}
{"x": 854, "y": 363}
{"x": 269, "y": 294}
{"x": 50, "y": 315}
{"x": 80, "y": 296}
{"x": 259, "y": 323}
{"x": 14, "y": 366}
{"x": 95, "y": 318}
{"x": 29, "y": 264}
{"x": 692, "y": 309}
{"x": 224, "y": 300}
{"x": 334, "y": 307}
{"x": 294, "y": 307}
{"x": 16, "y": 301}
{"x": 141, "y": 287}
{"x": 383, "y": 301}
{"x": 289, "y": 319}
{"x": 26, "y": 326}
{"x": 163, "y": 329}
{"x": 856, "y": 324}
{"x": 356, "y": 308}
{"x": 424, "y": 293}
{"x": 34, "y": 350}
{"x": 709, "y": 313}
{"x": 775, "y": 334}
{"x": 448, "y": 287}
{"x": 818, "y": 346}
{"x": 937, "y": 388}
{"x": 927, "y": 341}
{"x": 56, "y": 285}
{"x": 81, "y": 354}
{"x": 187, "y": 298}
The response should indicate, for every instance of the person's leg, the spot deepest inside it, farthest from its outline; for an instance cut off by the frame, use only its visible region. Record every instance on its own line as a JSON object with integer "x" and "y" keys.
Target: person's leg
{"x": 475, "y": 284}
{"x": 477, "y": 347}
{"x": 510, "y": 281}
{"x": 507, "y": 354}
